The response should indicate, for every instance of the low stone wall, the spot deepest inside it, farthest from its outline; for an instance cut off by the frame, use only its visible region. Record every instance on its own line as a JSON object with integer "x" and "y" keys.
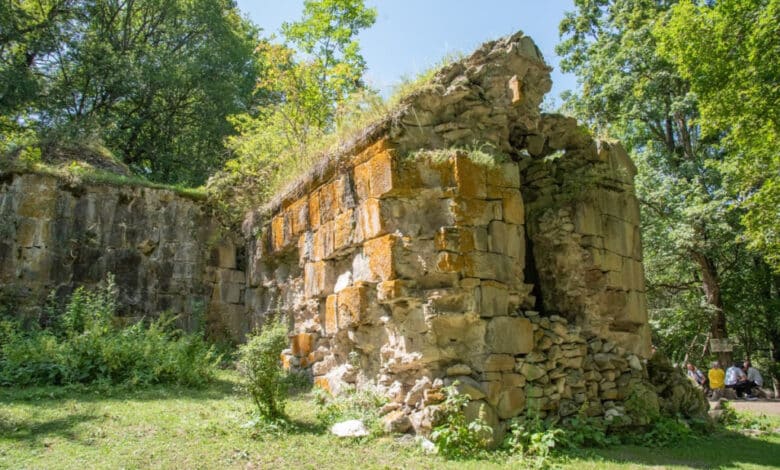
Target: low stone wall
{"x": 404, "y": 263}
{"x": 165, "y": 251}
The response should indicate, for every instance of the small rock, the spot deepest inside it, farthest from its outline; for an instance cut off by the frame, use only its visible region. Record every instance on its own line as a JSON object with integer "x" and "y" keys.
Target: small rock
{"x": 426, "y": 445}
{"x": 351, "y": 428}
{"x": 396, "y": 422}
{"x": 387, "y": 408}
{"x": 459, "y": 369}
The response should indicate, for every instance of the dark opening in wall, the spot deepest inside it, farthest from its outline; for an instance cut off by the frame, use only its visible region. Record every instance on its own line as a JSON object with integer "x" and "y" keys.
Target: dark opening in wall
{"x": 531, "y": 275}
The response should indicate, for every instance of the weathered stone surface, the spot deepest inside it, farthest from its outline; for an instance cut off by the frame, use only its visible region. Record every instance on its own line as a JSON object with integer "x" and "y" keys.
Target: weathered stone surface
{"x": 510, "y": 335}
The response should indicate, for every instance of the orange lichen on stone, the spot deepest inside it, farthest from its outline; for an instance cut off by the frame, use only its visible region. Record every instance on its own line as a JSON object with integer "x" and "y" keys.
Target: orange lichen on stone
{"x": 285, "y": 361}
{"x": 379, "y": 252}
{"x": 317, "y": 279}
{"x": 512, "y": 208}
{"x": 343, "y": 229}
{"x": 278, "y": 232}
{"x": 470, "y": 178}
{"x": 323, "y": 242}
{"x": 301, "y": 344}
{"x": 389, "y": 291}
{"x": 362, "y": 178}
{"x": 448, "y": 262}
{"x": 381, "y": 146}
{"x": 352, "y": 302}
{"x": 314, "y": 210}
{"x": 381, "y": 173}
{"x": 328, "y": 202}
{"x": 299, "y": 215}
{"x": 331, "y": 314}
{"x": 370, "y": 222}
{"x": 323, "y": 383}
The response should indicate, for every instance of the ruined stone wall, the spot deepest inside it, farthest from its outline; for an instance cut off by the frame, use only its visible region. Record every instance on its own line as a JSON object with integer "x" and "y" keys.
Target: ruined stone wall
{"x": 165, "y": 251}
{"x": 406, "y": 262}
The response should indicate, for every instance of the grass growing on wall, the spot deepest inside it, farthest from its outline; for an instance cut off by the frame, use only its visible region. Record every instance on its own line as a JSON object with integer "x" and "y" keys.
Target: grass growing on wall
{"x": 78, "y": 172}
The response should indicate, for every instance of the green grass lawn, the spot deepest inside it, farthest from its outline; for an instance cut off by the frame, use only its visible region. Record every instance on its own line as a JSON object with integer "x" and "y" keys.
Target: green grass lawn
{"x": 172, "y": 427}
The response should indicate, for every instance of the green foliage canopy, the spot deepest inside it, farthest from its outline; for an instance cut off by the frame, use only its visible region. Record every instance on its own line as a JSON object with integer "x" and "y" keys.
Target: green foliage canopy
{"x": 154, "y": 80}
{"x": 729, "y": 52}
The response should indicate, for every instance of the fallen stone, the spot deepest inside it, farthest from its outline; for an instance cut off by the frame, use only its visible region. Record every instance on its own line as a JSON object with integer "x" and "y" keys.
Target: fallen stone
{"x": 351, "y": 428}
{"x": 396, "y": 422}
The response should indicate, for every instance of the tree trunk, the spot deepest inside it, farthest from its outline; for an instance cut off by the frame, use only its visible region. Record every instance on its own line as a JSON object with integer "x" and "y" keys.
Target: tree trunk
{"x": 711, "y": 287}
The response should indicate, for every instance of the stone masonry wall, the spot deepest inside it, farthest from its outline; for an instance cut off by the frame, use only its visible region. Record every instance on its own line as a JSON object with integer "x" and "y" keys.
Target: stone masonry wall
{"x": 165, "y": 251}
{"x": 405, "y": 264}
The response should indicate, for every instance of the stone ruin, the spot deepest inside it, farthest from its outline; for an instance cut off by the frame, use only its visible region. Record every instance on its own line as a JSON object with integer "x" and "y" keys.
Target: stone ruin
{"x": 405, "y": 261}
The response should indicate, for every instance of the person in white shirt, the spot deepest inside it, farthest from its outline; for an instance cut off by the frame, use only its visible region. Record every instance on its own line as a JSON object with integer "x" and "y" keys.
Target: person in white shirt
{"x": 737, "y": 380}
{"x": 754, "y": 378}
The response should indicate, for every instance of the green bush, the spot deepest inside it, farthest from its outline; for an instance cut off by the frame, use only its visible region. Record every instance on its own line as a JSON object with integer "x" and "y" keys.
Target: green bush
{"x": 85, "y": 347}
{"x": 456, "y": 438}
{"x": 264, "y": 378}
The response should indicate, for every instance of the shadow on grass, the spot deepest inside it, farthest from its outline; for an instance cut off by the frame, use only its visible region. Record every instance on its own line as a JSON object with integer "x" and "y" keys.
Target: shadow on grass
{"x": 32, "y": 431}
{"x": 217, "y": 389}
{"x": 724, "y": 449}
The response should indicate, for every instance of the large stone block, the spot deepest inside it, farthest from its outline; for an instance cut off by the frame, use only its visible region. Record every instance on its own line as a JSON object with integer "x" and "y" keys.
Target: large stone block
{"x": 352, "y": 306}
{"x": 319, "y": 277}
{"x": 281, "y": 232}
{"x": 504, "y": 175}
{"x": 485, "y": 265}
{"x": 331, "y": 315}
{"x": 470, "y": 178}
{"x": 314, "y": 210}
{"x": 507, "y": 239}
{"x": 301, "y": 344}
{"x": 343, "y": 230}
{"x": 379, "y": 253}
{"x": 371, "y": 223}
{"x": 324, "y": 242}
{"x": 299, "y": 216}
{"x": 494, "y": 299}
{"x": 475, "y": 212}
{"x": 511, "y": 403}
{"x": 512, "y": 208}
{"x": 382, "y": 177}
{"x": 329, "y": 204}
{"x": 510, "y": 335}
{"x": 362, "y": 179}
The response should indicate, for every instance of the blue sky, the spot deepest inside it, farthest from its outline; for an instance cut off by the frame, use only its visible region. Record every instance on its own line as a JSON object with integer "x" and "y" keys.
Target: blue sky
{"x": 410, "y": 35}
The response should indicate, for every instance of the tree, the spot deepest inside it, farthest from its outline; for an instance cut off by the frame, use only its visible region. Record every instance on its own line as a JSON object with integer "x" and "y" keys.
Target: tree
{"x": 153, "y": 79}
{"x": 739, "y": 98}
{"x": 630, "y": 92}
{"x": 304, "y": 82}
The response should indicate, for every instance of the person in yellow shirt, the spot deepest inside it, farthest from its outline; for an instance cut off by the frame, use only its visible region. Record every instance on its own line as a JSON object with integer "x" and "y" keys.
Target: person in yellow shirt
{"x": 717, "y": 379}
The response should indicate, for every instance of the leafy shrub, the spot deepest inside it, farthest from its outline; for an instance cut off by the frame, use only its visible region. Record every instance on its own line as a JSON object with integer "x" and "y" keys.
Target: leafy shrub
{"x": 665, "y": 431}
{"x": 264, "y": 378}
{"x": 86, "y": 347}
{"x": 456, "y": 438}
{"x": 739, "y": 421}
{"x": 532, "y": 440}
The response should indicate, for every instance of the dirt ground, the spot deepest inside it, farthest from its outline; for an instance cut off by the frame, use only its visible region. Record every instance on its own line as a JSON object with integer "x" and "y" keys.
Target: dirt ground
{"x": 768, "y": 407}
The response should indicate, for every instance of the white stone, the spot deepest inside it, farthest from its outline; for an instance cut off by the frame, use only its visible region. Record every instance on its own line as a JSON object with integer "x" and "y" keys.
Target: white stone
{"x": 351, "y": 428}
{"x": 343, "y": 281}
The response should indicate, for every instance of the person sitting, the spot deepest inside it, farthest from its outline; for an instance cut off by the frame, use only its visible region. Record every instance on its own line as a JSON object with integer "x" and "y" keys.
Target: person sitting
{"x": 716, "y": 377}
{"x": 737, "y": 380}
{"x": 697, "y": 377}
{"x": 754, "y": 379}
